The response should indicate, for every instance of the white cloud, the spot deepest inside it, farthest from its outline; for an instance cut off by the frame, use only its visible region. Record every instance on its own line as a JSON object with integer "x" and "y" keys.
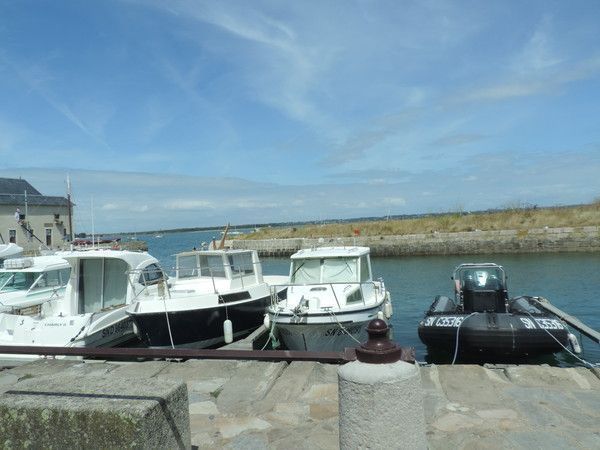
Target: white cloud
{"x": 188, "y": 204}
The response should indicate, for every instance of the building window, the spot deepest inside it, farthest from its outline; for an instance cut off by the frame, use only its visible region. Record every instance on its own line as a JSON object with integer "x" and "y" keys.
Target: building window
{"x": 12, "y": 236}
{"x": 49, "y": 237}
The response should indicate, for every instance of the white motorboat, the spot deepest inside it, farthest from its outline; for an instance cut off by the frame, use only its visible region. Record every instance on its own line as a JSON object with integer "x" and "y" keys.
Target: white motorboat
{"x": 10, "y": 250}
{"x": 27, "y": 283}
{"x": 331, "y": 297}
{"x": 91, "y": 313}
{"x": 216, "y": 296}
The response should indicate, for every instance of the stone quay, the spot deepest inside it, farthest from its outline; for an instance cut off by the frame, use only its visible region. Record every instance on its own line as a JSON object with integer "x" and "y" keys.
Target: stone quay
{"x": 251, "y": 404}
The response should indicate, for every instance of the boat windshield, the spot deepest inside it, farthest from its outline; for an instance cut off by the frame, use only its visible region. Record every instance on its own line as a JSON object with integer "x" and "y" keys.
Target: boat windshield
{"x": 22, "y": 281}
{"x": 324, "y": 270}
{"x": 482, "y": 278}
{"x": 17, "y": 281}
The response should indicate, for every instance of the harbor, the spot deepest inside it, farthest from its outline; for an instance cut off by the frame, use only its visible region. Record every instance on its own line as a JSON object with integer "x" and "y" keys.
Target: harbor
{"x": 243, "y": 395}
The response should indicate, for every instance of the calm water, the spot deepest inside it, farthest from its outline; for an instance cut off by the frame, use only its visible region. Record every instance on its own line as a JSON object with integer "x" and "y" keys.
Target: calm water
{"x": 571, "y": 281}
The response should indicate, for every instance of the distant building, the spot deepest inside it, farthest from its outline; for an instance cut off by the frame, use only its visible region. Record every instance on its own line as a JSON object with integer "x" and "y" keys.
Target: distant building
{"x": 30, "y": 219}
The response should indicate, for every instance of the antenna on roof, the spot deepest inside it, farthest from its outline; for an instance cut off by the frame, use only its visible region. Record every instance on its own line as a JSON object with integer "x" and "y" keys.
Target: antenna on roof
{"x": 70, "y": 210}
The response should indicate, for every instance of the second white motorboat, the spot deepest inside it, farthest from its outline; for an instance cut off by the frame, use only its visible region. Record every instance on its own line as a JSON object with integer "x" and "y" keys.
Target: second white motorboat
{"x": 331, "y": 298}
{"x": 216, "y": 296}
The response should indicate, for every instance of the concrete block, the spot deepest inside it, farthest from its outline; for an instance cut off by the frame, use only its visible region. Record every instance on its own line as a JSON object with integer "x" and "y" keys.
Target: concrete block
{"x": 66, "y": 411}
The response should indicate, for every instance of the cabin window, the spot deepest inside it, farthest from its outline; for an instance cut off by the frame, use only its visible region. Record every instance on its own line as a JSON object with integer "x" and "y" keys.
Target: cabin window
{"x": 340, "y": 270}
{"x": 307, "y": 271}
{"x": 48, "y": 236}
{"x": 12, "y": 236}
{"x": 152, "y": 274}
{"x": 212, "y": 266}
{"x": 365, "y": 275}
{"x": 115, "y": 282}
{"x": 482, "y": 278}
{"x": 65, "y": 274}
{"x": 53, "y": 278}
{"x": 16, "y": 281}
{"x": 187, "y": 266}
{"x": 241, "y": 263}
{"x": 356, "y": 295}
{"x": 102, "y": 284}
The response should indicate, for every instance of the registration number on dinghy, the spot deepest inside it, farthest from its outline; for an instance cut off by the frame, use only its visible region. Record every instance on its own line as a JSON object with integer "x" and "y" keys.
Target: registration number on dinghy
{"x": 446, "y": 321}
{"x": 544, "y": 324}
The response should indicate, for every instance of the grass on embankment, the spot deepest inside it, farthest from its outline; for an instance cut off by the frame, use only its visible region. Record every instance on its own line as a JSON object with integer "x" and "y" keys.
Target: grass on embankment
{"x": 510, "y": 219}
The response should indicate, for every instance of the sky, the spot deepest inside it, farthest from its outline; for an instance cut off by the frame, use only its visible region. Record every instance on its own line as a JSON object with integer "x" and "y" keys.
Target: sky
{"x": 168, "y": 114}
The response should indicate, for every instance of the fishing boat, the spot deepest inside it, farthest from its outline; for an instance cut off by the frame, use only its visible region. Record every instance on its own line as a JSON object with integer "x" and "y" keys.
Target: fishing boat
{"x": 331, "y": 297}
{"x": 91, "y": 313}
{"x": 216, "y": 296}
{"x": 482, "y": 321}
{"x": 27, "y": 283}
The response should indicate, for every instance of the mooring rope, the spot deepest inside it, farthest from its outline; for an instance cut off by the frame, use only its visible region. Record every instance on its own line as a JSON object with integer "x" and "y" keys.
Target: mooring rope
{"x": 457, "y": 331}
{"x": 587, "y": 363}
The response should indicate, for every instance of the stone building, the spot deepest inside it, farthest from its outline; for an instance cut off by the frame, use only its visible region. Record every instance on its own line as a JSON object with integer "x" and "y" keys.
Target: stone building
{"x": 30, "y": 219}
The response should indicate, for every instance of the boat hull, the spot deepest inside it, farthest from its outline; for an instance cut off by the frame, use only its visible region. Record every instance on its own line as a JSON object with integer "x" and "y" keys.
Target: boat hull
{"x": 324, "y": 332}
{"x": 201, "y": 327}
{"x": 493, "y": 333}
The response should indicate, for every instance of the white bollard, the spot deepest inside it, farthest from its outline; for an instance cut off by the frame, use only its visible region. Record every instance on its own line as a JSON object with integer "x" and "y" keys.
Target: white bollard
{"x": 380, "y": 404}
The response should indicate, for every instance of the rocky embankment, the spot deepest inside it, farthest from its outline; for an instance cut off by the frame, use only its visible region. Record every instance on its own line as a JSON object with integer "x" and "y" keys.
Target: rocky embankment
{"x": 566, "y": 239}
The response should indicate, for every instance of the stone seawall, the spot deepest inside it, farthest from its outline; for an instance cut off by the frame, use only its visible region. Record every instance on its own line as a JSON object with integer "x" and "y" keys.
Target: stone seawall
{"x": 567, "y": 239}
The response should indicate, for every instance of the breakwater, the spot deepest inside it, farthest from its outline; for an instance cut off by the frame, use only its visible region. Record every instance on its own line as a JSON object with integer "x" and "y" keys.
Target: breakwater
{"x": 538, "y": 240}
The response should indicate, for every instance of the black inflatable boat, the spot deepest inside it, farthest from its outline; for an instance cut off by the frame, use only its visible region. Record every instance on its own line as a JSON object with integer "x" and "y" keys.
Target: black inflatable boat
{"x": 482, "y": 320}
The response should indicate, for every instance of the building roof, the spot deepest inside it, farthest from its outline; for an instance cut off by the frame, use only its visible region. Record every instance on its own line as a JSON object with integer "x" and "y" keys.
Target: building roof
{"x": 17, "y": 186}
{"x": 12, "y": 192}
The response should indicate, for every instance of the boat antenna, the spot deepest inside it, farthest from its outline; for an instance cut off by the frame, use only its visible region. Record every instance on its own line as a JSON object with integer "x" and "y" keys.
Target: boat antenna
{"x": 222, "y": 243}
{"x": 70, "y": 208}
{"x": 93, "y": 234}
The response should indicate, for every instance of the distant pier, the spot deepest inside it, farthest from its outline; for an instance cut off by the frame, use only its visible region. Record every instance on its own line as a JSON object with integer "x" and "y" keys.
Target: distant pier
{"x": 539, "y": 240}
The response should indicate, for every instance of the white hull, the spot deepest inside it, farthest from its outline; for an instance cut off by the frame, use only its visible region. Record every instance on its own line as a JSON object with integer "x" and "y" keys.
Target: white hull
{"x": 324, "y": 333}
{"x": 118, "y": 331}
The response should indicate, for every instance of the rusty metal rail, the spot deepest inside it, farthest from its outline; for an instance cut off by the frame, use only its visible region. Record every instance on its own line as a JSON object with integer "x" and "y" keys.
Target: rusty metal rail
{"x": 116, "y": 353}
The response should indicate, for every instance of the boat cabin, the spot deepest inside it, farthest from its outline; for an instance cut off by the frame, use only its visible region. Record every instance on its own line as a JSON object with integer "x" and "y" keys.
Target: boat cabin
{"x": 221, "y": 269}
{"x": 481, "y": 287}
{"x": 331, "y": 265}
{"x": 108, "y": 279}
{"x": 343, "y": 271}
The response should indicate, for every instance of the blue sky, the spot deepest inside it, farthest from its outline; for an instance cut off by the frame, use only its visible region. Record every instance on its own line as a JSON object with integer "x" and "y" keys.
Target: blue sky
{"x": 192, "y": 113}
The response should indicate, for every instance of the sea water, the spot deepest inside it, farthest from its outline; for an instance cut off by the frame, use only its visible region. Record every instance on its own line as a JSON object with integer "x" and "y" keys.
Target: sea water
{"x": 570, "y": 281}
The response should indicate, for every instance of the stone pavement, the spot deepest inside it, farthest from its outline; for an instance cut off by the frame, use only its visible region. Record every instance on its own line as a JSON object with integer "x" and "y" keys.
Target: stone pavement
{"x": 255, "y": 405}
